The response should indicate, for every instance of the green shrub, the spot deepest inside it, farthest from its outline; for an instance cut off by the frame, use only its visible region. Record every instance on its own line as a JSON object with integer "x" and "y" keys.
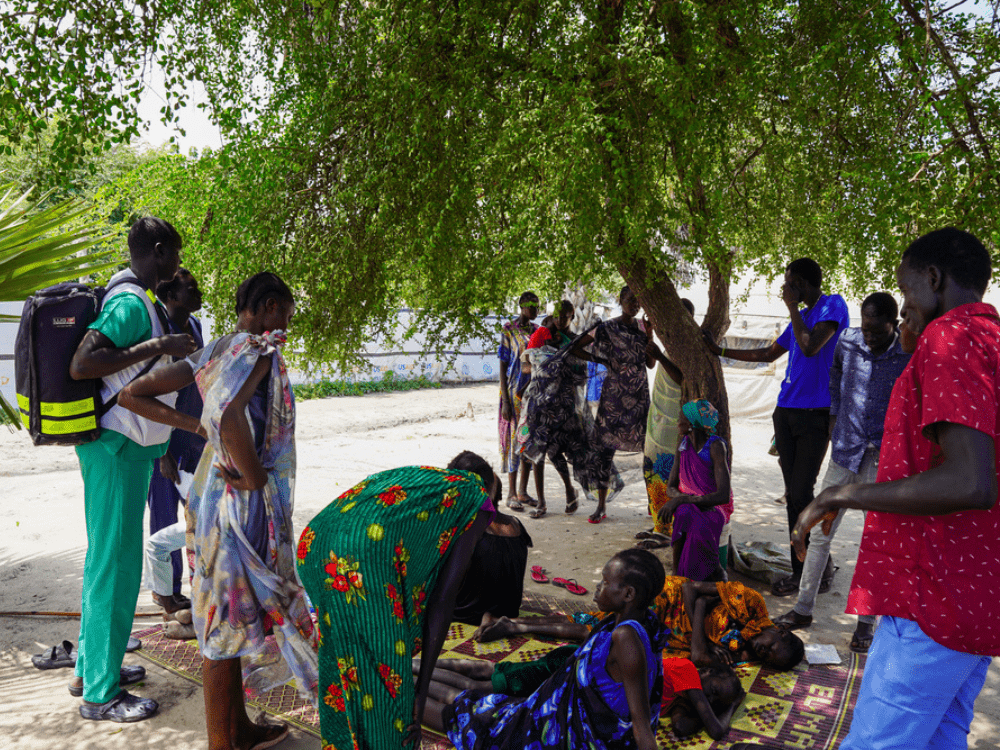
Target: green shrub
{"x": 389, "y": 382}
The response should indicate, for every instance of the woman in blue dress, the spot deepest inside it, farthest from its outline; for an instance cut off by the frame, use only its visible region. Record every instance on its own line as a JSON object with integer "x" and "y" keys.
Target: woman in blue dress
{"x": 607, "y": 695}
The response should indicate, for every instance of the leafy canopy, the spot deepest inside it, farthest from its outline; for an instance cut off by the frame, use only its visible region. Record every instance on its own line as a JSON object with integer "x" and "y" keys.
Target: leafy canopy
{"x": 448, "y": 155}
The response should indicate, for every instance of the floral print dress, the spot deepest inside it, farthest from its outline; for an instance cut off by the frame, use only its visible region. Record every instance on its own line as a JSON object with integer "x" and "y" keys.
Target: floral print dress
{"x": 370, "y": 561}
{"x": 242, "y": 543}
{"x": 513, "y": 341}
{"x": 624, "y": 405}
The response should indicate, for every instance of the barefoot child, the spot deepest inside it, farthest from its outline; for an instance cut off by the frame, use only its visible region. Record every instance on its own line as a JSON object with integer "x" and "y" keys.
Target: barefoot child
{"x": 606, "y": 695}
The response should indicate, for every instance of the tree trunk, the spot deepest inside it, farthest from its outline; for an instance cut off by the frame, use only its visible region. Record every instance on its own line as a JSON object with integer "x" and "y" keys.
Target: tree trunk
{"x": 681, "y": 335}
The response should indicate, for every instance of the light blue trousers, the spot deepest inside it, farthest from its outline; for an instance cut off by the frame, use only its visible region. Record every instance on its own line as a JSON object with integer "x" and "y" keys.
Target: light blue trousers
{"x": 915, "y": 694}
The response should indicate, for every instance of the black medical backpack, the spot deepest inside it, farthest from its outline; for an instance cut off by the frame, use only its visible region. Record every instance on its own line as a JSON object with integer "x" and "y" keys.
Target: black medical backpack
{"x": 55, "y": 409}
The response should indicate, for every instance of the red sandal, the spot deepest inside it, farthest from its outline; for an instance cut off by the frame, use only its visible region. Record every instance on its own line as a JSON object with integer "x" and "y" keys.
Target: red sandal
{"x": 538, "y": 574}
{"x": 570, "y": 585}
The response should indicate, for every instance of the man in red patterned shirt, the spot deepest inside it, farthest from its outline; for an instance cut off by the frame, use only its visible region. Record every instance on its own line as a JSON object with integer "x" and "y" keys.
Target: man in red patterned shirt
{"x": 932, "y": 537}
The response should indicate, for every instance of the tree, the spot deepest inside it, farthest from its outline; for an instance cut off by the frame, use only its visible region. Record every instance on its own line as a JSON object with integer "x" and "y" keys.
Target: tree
{"x": 447, "y": 153}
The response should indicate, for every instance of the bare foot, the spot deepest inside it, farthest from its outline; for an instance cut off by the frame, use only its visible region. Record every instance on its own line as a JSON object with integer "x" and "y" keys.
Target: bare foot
{"x": 654, "y": 541}
{"x": 497, "y": 630}
{"x": 644, "y": 534}
{"x": 260, "y": 736}
{"x": 487, "y": 620}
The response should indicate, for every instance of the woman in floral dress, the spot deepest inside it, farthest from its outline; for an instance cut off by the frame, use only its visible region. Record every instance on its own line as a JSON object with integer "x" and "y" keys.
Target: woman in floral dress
{"x": 239, "y": 508}
{"x": 513, "y": 342}
{"x": 383, "y": 564}
{"x": 620, "y": 344}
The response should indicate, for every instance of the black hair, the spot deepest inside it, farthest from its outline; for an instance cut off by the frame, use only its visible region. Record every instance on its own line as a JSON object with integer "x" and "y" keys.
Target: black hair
{"x": 549, "y": 322}
{"x": 725, "y": 673}
{"x": 171, "y": 286}
{"x": 565, "y": 306}
{"x": 527, "y": 298}
{"x": 958, "y": 254}
{"x": 884, "y": 305}
{"x": 260, "y": 288}
{"x": 688, "y": 305}
{"x": 796, "y": 652}
{"x": 621, "y": 294}
{"x": 469, "y": 461}
{"x": 147, "y": 232}
{"x": 644, "y": 572}
{"x": 808, "y": 270}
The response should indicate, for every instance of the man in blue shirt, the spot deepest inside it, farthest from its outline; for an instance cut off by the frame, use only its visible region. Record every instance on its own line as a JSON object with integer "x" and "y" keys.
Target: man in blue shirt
{"x": 182, "y": 298}
{"x": 802, "y": 416}
{"x": 866, "y": 364}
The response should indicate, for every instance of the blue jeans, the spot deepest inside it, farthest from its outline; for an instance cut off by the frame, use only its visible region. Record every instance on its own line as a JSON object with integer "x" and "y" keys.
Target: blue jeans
{"x": 915, "y": 694}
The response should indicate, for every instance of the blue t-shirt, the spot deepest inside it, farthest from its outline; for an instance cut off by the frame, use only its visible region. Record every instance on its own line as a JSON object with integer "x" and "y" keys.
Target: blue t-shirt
{"x": 807, "y": 379}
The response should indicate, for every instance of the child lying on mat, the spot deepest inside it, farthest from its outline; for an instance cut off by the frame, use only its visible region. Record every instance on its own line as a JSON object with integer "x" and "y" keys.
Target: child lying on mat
{"x": 693, "y": 698}
{"x": 735, "y": 624}
{"x": 606, "y": 694}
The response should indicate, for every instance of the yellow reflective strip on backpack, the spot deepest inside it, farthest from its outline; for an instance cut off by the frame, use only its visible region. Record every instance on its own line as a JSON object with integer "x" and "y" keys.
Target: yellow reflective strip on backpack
{"x": 65, "y": 427}
{"x": 26, "y": 421}
{"x": 23, "y": 402}
{"x": 68, "y": 408}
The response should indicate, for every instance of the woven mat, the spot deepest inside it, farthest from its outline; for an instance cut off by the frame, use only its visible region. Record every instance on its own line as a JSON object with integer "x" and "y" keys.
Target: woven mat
{"x": 805, "y": 708}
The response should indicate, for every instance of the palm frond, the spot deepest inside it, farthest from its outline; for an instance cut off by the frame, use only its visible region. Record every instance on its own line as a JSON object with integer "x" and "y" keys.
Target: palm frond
{"x": 39, "y": 248}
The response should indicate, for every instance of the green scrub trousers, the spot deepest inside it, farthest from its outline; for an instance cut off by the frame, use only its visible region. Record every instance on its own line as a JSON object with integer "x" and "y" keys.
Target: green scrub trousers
{"x": 116, "y": 474}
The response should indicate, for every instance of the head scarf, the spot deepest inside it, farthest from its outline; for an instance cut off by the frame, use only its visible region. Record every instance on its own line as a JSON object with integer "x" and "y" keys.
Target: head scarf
{"x": 701, "y": 414}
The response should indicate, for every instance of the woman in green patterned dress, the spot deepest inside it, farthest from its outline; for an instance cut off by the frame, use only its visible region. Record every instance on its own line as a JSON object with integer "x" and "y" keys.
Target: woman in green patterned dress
{"x": 382, "y": 565}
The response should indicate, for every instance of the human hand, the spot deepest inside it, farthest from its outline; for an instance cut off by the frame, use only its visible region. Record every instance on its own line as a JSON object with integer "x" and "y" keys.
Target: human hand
{"x": 666, "y": 513}
{"x": 413, "y": 736}
{"x": 790, "y": 295}
{"x": 168, "y": 468}
{"x": 908, "y": 338}
{"x": 710, "y": 344}
{"x": 818, "y": 511}
{"x": 413, "y": 733}
{"x": 652, "y": 350}
{"x": 506, "y": 409}
{"x": 176, "y": 344}
{"x": 721, "y": 654}
{"x": 237, "y": 482}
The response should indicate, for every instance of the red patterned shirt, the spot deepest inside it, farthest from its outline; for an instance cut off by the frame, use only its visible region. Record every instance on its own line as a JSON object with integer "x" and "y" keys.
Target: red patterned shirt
{"x": 939, "y": 571}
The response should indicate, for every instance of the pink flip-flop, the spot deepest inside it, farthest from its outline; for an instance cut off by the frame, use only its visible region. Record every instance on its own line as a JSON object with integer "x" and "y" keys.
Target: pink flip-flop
{"x": 538, "y": 574}
{"x": 597, "y": 519}
{"x": 570, "y": 585}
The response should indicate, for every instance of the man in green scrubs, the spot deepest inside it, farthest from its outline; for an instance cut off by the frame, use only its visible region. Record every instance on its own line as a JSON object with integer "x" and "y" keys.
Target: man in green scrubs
{"x": 117, "y": 467}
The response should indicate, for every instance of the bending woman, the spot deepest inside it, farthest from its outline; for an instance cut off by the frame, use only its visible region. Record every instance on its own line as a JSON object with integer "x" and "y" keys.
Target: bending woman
{"x": 383, "y": 564}
{"x": 700, "y": 498}
{"x": 240, "y": 507}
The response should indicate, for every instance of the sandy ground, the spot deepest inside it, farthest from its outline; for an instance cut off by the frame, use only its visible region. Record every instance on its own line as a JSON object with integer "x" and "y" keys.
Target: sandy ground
{"x": 340, "y": 441}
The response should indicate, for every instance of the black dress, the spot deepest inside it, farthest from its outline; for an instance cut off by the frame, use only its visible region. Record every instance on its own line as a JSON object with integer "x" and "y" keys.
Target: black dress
{"x": 495, "y": 580}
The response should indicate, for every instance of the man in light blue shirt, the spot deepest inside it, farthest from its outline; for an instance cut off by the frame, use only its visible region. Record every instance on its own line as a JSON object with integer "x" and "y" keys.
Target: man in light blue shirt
{"x": 866, "y": 364}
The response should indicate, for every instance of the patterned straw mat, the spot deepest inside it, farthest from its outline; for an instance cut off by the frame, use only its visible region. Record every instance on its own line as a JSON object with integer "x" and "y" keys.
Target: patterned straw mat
{"x": 808, "y": 708}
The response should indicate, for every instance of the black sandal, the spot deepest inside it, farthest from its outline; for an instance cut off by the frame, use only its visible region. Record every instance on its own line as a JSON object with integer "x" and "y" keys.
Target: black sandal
{"x": 57, "y": 657}
{"x": 785, "y": 586}
{"x": 124, "y": 708}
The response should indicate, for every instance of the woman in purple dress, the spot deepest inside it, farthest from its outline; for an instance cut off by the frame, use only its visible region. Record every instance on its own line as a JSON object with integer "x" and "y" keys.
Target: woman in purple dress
{"x": 701, "y": 498}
